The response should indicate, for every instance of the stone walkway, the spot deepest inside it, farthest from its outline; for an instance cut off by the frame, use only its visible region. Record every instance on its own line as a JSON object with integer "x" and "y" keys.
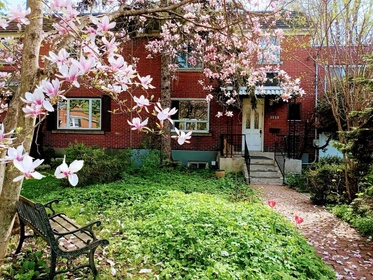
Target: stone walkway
{"x": 339, "y": 245}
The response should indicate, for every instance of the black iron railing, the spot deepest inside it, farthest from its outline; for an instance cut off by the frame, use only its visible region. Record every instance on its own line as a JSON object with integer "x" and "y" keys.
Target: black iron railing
{"x": 235, "y": 145}
{"x": 280, "y": 154}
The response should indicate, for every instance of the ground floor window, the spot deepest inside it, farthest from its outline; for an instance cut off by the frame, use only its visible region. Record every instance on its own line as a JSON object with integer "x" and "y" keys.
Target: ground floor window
{"x": 192, "y": 115}
{"x": 79, "y": 113}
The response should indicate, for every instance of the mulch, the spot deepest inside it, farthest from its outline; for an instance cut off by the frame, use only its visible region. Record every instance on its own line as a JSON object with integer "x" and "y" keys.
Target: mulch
{"x": 337, "y": 243}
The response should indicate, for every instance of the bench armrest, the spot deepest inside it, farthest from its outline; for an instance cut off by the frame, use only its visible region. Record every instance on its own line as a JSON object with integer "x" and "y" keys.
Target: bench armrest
{"x": 49, "y": 206}
{"x": 86, "y": 229}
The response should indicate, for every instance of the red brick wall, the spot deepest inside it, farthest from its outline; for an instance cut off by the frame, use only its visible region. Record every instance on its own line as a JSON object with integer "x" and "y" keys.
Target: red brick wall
{"x": 294, "y": 61}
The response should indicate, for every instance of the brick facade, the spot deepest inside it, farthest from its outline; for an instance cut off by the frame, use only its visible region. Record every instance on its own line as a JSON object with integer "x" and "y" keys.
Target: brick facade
{"x": 294, "y": 60}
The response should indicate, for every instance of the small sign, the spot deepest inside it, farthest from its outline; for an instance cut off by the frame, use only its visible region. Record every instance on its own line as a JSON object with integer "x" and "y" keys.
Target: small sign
{"x": 274, "y": 117}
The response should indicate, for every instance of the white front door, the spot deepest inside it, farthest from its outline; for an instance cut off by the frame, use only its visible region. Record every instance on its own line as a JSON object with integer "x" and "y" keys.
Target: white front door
{"x": 252, "y": 124}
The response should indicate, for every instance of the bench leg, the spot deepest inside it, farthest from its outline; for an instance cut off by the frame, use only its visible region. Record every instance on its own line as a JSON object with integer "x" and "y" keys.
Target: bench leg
{"x": 52, "y": 271}
{"x": 92, "y": 262}
{"x": 21, "y": 236}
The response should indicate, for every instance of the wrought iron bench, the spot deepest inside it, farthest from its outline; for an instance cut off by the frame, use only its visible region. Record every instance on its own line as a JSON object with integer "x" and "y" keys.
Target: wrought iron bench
{"x": 65, "y": 237}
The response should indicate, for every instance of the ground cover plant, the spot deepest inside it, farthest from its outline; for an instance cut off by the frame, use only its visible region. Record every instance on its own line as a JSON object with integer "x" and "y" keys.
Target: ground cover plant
{"x": 176, "y": 224}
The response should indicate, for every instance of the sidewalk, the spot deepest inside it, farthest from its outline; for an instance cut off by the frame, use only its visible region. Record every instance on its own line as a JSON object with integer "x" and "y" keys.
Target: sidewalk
{"x": 339, "y": 245}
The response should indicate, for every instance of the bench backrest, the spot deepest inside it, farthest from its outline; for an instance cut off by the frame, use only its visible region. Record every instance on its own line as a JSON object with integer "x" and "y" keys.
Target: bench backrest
{"x": 35, "y": 216}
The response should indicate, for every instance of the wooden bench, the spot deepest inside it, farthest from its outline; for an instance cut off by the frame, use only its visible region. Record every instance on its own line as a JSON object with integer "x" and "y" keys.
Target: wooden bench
{"x": 65, "y": 237}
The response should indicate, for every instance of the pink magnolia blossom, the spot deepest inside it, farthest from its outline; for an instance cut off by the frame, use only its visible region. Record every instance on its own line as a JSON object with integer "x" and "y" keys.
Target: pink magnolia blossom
{"x": 164, "y": 114}
{"x": 59, "y": 58}
{"x": 70, "y": 74}
{"x": 3, "y": 23}
{"x": 141, "y": 102}
{"x": 4, "y": 140}
{"x": 209, "y": 97}
{"x": 229, "y": 113}
{"x": 103, "y": 24}
{"x": 58, "y": 4}
{"x": 3, "y": 107}
{"x": 137, "y": 124}
{"x": 182, "y": 137}
{"x": 116, "y": 62}
{"x": 219, "y": 114}
{"x": 85, "y": 65}
{"x": 19, "y": 15}
{"x": 271, "y": 203}
{"x": 27, "y": 167}
{"x": 145, "y": 82}
{"x": 111, "y": 46}
{"x": 14, "y": 154}
{"x": 230, "y": 101}
{"x": 33, "y": 111}
{"x": 65, "y": 171}
{"x": 38, "y": 99}
{"x": 52, "y": 89}
{"x": 91, "y": 32}
{"x": 298, "y": 219}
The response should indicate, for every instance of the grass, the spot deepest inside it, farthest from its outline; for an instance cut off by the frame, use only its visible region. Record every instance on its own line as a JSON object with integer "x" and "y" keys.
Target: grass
{"x": 167, "y": 224}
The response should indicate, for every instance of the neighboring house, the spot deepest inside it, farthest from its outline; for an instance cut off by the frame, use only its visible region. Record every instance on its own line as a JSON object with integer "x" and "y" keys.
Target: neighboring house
{"x": 85, "y": 116}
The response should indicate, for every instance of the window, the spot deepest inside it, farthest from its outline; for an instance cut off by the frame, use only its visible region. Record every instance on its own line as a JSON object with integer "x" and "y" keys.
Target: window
{"x": 192, "y": 115}
{"x": 186, "y": 60}
{"x": 270, "y": 51}
{"x": 79, "y": 113}
{"x": 294, "y": 111}
{"x": 336, "y": 74}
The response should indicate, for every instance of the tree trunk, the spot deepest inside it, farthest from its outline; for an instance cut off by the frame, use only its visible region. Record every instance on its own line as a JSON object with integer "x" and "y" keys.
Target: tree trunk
{"x": 166, "y": 102}
{"x": 15, "y": 119}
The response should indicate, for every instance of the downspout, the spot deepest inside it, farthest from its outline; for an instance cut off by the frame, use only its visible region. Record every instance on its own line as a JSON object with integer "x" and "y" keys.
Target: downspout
{"x": 316, "y": 104}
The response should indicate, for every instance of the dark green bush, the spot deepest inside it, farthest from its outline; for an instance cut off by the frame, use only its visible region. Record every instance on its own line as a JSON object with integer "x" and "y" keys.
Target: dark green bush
{"x": 326, "y": 183}
{"x": 297, "y": 182}
{"x": 99, "y": 167}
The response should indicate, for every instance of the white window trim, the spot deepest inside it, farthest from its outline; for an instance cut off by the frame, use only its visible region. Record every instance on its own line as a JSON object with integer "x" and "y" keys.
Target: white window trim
{"x": 193, "y": 120}
{"x": 90, "y": 120}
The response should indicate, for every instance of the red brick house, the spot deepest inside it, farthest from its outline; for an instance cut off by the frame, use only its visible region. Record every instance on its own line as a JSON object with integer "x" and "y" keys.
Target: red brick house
{"x": 84, "y": 117}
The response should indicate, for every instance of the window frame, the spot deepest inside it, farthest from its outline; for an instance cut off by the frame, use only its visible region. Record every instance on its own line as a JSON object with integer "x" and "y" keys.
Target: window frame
{"x": 78, "y": 120}
{"x": 195, "y": 122}
{"x": 186, "y": 53}
{"x": 265, "y": 48}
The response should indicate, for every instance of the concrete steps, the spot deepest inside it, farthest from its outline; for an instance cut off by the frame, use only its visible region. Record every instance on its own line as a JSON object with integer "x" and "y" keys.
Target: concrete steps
{"x": 263, "y": 170}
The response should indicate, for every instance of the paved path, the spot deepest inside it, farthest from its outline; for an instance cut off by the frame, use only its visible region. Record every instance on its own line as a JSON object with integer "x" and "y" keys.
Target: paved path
{"x": 339, "y": 245}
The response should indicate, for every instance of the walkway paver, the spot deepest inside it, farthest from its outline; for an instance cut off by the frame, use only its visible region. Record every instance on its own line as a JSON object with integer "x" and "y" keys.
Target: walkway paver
{"x": 338, "y": 244}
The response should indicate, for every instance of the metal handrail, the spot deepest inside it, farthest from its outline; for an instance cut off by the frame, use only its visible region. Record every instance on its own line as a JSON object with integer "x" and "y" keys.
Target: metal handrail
{"x": 280, "y": 156}
{"x": 247, "y": 160}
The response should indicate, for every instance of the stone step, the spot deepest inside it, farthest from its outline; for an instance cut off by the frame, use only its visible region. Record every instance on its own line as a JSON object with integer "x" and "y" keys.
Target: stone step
{"x": 263, "y": 167}
{"x": 265, "y": 181}
{"x": 265, "y": 174}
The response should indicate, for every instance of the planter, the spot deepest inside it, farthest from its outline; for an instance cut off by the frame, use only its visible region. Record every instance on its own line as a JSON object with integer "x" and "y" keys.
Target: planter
{"x": 220, "y": 173}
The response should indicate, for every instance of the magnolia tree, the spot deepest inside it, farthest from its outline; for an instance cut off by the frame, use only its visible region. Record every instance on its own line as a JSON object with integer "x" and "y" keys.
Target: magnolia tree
{"x": 86, "y": 49}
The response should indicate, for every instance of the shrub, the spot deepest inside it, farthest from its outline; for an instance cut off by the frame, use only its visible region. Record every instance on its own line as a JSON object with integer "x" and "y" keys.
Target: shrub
{"x": 99, "y": 167}
{"x": 326, "y": 183}
{"x": 297, "y": 182}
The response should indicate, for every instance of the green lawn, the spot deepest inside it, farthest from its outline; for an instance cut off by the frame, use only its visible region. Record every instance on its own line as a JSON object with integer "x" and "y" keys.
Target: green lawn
{"x": 167, "y": 224}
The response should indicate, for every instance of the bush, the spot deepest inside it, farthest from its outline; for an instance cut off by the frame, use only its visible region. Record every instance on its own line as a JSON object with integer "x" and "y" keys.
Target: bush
{"x": 297, "y": 182}
{"x": 326, "y": 183}
{"x": 99, "y": 167}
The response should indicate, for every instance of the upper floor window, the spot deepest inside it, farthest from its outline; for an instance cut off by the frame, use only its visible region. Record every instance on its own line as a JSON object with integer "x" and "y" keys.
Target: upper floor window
{"x": 336, "y": 75}
{"x": 79, "y": 113}
{"x": 294, "y": 112}
{"x": 186, "y": 60}
{"x": 192, "y": 115}
{"x": 270, "y": 51}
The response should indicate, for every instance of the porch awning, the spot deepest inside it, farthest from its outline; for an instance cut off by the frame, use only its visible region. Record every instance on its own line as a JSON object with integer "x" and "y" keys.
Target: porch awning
{"x": 265, "y": 90}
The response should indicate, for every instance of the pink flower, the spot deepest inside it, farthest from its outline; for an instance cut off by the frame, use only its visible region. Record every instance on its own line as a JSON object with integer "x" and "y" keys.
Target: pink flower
{"x": 271, "y": 203}
{"x": 137, "y": 124}
{"x": 27, "y": 167}
{"x": 70, "y": 74}
{"x": 145, "y": 82}
{"x": 19, "y": 14}
{"x": 4, "y": 141}
{"x": 182, "y": 137}
{"x": 85, "y": 65}
{"x": 14, "y": 154}
{"x": 52, "y": 89}
{"x": 60, "y": 58}
{"x": 64, "y": 171}
{"x": 141, "y": 102}
{"x": 103, "y": 24}
{"x": 164, "y": 114}
{"x": 298, "y": 220}
{"x": 38, "y": 99}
